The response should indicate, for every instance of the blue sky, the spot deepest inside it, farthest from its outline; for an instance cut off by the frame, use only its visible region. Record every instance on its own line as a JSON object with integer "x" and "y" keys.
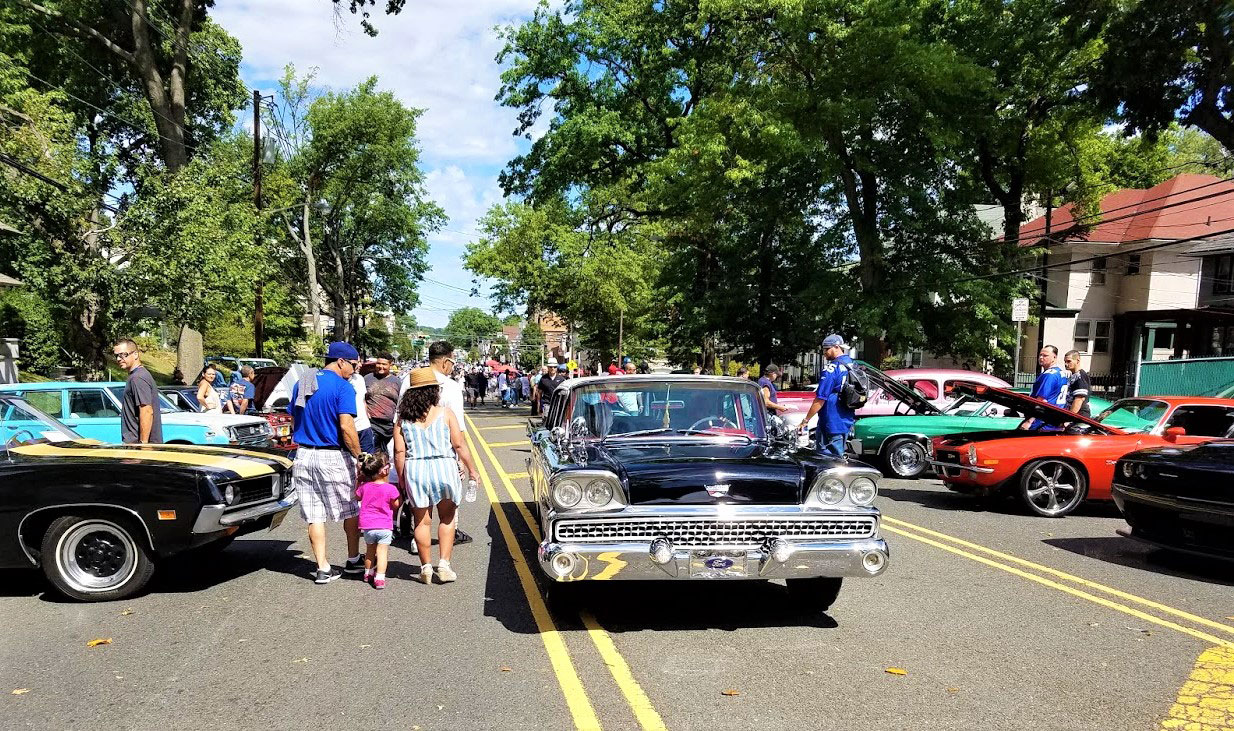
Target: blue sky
{"x": 437, "y": 56}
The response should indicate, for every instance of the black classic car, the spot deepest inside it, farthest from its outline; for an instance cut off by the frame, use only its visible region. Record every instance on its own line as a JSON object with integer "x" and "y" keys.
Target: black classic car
{"x": 97, "y": 517}
{"x": 1180, "y": 498}
{"x": 676, "y": 477}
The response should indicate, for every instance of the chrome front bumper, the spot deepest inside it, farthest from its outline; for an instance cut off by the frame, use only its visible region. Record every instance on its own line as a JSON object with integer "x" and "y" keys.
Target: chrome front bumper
{"x": 776, "y": 558}
{"x": 215, "y": 518}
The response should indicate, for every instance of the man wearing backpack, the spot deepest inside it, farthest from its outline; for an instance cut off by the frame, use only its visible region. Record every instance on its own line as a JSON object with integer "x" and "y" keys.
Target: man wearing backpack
{"x": 831, "y": 402}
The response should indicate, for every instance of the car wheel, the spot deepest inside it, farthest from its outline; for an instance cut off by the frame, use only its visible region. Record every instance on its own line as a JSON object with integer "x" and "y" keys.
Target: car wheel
{"x": 815, "y": 594}
{"x": 94, "y": 559}
{"x": 905, "y": 458}
{"x": 1052, "y": 487}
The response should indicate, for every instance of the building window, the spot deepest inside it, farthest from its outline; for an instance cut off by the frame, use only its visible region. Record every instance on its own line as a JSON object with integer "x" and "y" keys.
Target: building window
{"x": 1223, "y": 281}
{"x": 1133, "y": 264}
{"x": 1096, "y": 277}
{"x": 1083, "y": 330}
{"x": 1101, "y": 336}
{"x": 1092, "y": 336}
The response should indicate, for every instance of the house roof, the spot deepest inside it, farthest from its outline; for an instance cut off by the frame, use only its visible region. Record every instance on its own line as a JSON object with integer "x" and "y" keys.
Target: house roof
{"x": 1181, "y": 207}
{"x": 512, "y": 332}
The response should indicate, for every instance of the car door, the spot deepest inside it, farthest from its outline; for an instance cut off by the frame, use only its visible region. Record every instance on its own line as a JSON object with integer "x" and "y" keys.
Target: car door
{"x": 1201, "y": 422}
{"x": 93, "y": 414}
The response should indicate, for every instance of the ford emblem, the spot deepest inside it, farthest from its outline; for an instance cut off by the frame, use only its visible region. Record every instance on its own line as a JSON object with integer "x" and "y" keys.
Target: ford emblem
{"x": 717, "y": 490}
{"x": 718, "y": 562}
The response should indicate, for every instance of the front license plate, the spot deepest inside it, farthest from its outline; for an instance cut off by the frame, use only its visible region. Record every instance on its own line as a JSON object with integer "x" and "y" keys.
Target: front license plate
{"x": 278, "y": 519}
{"x": 717, "y": 564}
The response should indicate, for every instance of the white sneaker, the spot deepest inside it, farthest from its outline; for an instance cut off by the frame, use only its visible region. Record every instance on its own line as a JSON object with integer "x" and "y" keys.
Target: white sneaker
{"x": 426, "y": 574}
{"x": 445, "y": 574}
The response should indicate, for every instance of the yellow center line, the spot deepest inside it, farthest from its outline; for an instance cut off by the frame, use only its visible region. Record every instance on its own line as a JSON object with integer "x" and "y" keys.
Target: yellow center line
{"x": 519, "y": 443}
{"x": 571, "y": 686}
{"x": 1064, "y": 575}
{"x": 644, "y": 712}
{"x": 1206, "y": 700}
{"x": 1066, "y": 589}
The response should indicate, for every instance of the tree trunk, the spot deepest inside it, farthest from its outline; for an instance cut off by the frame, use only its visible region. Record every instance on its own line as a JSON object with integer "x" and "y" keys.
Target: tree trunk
{"x": 314, "y": 290}
{"x": 861, "y": 198}
{"x": 766, "y": 276}
{"x": 341, "y": 330}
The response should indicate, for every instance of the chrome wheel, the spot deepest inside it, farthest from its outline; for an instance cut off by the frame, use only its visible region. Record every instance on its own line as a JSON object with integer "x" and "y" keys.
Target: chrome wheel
{"x": 906, "y": 458}
{"x": 95, "y": 556}
{"x": 1053, "y": 488}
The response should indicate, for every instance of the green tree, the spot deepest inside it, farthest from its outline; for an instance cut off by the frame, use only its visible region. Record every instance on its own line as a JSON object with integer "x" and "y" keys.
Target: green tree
{"x": 531, "y": 345}
{"x": 469, "y": 325}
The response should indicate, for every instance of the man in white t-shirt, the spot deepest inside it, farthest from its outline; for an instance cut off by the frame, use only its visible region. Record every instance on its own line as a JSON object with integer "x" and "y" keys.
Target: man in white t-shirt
{"x": 364, "y": 428}
{"x": 450, "y": 395}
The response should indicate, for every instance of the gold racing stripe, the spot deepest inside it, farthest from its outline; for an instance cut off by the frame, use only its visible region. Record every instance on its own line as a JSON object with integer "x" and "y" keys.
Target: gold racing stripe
{"x": 243, "y": 467}
{"x": 225, "y": 451}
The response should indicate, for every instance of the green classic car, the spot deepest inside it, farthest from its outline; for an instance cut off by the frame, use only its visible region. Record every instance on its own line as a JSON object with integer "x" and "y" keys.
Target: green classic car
{"x": 897, "y": 444}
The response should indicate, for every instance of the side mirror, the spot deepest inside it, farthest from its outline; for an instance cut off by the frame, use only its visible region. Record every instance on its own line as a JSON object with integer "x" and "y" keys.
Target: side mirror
{"x": 1174, "y": 432}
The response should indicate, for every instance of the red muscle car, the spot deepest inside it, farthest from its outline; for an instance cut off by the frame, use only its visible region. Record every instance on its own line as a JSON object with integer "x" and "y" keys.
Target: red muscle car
{"x": 1072, "y": 458}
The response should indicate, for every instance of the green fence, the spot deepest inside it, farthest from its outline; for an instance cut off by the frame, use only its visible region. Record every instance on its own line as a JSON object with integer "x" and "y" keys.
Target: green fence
{"x": 1187, "y": 377}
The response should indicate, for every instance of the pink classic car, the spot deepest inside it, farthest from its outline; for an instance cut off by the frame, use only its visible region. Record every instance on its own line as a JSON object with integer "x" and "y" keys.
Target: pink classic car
{"x": 936, "y": 385}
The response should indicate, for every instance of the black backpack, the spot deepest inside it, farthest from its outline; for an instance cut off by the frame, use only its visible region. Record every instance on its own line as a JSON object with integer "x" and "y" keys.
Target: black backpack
{"x": 856, "y": 389}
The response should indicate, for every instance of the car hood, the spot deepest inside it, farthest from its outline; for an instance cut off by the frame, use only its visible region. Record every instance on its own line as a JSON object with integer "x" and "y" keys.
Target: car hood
{"x": 680, "y": 472}
{"x": 218, "y": 422}
{"x": 899, "y": 390}
{"x": 220, "y": 463}
{"x": 912, "y": 423}
{"x": 1031, "y": 407}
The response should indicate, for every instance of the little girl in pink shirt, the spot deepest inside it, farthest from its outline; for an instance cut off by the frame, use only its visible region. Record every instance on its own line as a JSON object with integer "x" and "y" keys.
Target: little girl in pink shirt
{"x": 378, "y": 501}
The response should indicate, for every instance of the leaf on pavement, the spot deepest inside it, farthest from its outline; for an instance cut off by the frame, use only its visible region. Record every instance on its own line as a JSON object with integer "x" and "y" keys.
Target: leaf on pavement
{"x": 730, "y": 692}
{"x": 365, "y": 647}
{"x": 896, "y": 671}
{"x": 303, "y": 659}
{"x": 953, "y": 690}
{"x": 20, "y": 691}
{"x": 126, "y": 612}
{"x": 505, "y": 669}
{"x": 99, "y": 641}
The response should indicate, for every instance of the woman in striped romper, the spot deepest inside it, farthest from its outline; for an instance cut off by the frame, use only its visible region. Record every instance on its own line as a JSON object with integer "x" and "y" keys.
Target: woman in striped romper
{"x": 427, "y": 446}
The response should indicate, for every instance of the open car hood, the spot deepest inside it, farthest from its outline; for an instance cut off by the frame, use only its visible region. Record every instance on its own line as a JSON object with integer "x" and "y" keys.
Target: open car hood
{"x": 1029, "y": 406}
{"x": 898, "y": 389}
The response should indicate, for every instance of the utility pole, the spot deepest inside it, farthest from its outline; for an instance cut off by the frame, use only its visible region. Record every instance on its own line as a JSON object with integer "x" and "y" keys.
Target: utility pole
{"x": 1045, "y": 257}
{"x": 259, "y": 320}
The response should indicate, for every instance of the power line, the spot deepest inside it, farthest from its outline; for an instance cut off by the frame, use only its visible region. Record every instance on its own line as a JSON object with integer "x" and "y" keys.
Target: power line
{"x": 62, "y": 187}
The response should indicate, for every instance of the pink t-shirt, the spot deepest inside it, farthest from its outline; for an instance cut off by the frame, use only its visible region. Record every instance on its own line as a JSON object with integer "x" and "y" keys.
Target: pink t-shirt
{"x": 375, "y": 510}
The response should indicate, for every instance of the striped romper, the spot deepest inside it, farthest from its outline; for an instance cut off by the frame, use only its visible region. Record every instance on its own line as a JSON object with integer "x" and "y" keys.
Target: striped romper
{"x": 431, "y": 473}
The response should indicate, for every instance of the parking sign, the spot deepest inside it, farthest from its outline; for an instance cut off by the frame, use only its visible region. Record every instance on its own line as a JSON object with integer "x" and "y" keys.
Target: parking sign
{"x": 1019, "y": 309}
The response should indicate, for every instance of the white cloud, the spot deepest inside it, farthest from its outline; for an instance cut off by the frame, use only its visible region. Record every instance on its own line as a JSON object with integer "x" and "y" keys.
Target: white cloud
{"x": 438, "y": 55}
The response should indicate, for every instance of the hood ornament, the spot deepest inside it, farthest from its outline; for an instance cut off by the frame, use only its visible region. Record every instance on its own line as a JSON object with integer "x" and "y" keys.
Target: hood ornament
{"x": 718, "y": 490}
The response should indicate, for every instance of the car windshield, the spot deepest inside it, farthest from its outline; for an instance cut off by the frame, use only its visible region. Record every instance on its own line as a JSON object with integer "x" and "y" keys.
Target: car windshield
{"x": 617, "y": 409}
{"x": 21, "y": 423}
{"x": 166, "y": 405}
{"x": 966, "y": 406}
{"x": 1134, "y": 415}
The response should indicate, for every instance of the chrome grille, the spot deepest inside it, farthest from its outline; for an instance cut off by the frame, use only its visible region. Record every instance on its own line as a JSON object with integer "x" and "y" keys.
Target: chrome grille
{"x": 709, "y": 532}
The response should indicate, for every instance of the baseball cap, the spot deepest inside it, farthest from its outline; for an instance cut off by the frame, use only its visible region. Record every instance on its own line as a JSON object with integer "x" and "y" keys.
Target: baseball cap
{"x": 831, "y": 340}
{"x": 339, "y": 349}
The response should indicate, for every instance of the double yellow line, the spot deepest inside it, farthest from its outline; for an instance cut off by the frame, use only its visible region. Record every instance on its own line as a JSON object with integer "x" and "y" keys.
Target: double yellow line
{"x": 580, "y": 706}
{"x": 1122, "y": 601}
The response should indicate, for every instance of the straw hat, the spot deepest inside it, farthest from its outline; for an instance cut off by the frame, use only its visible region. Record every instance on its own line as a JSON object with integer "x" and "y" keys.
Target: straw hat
{"x": 422, "y": 377}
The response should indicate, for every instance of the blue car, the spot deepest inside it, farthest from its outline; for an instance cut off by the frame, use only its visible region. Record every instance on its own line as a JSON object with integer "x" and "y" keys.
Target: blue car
{"x": 93, "y": 411}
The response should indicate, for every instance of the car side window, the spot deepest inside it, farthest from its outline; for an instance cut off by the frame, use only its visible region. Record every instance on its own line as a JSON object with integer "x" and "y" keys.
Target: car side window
{"x": 91, "y": 404}
{"x": 950, "y": 386}
{"x": 926, "y": 387}
{"x": 1203, "y": 421}
{"x": 49, "y": 402}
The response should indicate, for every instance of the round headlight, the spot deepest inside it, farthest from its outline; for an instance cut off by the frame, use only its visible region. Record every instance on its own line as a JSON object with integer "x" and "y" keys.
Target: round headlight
{"x": 831, "y": 491}
{"x": 599, "y": 492}
{"x": 862, "y": 491}
{"x": 229, "y": 494}
{"x": 567, "y": 493}
{"x": 1128, "y": 469}
{"x": 972, "y": 454}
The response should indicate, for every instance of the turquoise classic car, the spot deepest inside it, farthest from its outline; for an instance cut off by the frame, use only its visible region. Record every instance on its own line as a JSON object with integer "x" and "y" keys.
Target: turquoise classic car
{"x": 897, "y": 444}
{"x": 93, "y": 411}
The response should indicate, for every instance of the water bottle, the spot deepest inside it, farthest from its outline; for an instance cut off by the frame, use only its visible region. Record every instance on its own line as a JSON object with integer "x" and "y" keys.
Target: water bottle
{"x": 470, "y": 495}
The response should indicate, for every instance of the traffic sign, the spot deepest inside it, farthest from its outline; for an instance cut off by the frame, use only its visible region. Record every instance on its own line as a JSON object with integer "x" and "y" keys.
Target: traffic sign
{"x": 1019, "y": 309}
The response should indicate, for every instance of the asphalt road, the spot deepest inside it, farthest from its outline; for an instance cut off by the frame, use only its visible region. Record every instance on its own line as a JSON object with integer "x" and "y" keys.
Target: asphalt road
{"x": 998, "y": 620}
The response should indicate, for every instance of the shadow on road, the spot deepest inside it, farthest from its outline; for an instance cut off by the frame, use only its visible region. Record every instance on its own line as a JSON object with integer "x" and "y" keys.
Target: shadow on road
{"x": 634, "y": 606}
{"x": 1004, "y": 503}
{"x": 1137, "y": 555}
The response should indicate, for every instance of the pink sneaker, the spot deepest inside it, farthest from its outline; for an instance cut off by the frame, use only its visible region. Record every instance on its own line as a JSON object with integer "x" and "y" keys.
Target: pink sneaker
{"x": 379, "y": 583}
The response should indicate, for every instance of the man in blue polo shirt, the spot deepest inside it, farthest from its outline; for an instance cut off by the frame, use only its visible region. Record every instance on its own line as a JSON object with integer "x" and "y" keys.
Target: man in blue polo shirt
{"x": 834, "y": 416}
{"x": 1050, "y": 386}
{"x": 323, "y": 412}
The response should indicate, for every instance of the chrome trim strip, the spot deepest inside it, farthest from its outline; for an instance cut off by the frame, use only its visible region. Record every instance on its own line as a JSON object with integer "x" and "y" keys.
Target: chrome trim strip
{"x": 22, "y": 522}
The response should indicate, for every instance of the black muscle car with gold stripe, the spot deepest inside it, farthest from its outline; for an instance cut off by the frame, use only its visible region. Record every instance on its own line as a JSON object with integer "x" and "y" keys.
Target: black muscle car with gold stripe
{"x": 98, "y": 517}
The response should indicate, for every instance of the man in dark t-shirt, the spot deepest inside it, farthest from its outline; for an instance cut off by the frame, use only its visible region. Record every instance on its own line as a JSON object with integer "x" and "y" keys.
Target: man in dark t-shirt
{"x": 141, "y": 418}
{"x": 771, "y": 397}
{"x": 1078, "y": 387}
{"x": 381, "y": 400}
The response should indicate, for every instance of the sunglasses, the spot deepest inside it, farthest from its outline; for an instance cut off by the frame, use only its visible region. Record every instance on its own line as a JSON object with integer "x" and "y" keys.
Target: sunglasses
{"x": 122, "y": 356}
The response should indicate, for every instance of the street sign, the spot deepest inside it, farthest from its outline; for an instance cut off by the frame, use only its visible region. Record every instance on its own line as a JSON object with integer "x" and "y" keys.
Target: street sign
{"x": 1019, "y": 309}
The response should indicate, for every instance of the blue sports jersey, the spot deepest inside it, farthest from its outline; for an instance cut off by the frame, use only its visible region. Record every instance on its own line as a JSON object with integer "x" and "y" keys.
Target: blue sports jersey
{"x": 834, "y": 417}
{"x": 316, "y": 423}
{"x": 1050, "y": 387}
